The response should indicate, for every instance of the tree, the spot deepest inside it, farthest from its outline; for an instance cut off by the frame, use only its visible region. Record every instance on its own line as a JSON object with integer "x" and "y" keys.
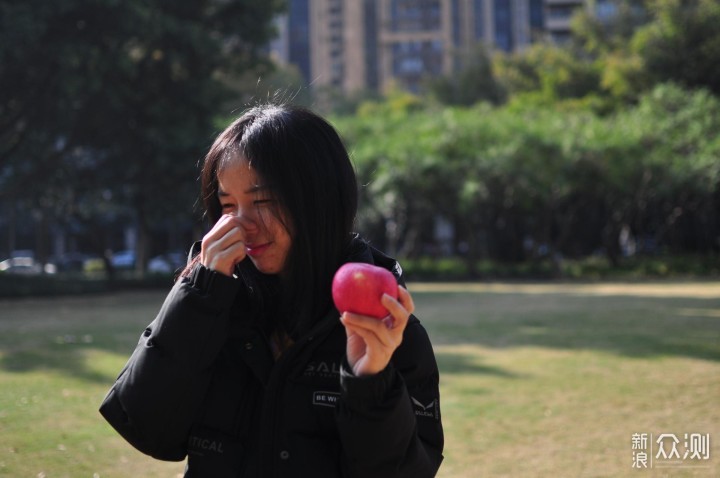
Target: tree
{"x": 682, "y": 43}
{"x": 473, "y": 82}
{"x": 551, "y": 72}
{"x": 128, "y": 88}
{"x": 641, "y": 43}
{"x": 605, "y": 29}
{"x": 539, "y": 183}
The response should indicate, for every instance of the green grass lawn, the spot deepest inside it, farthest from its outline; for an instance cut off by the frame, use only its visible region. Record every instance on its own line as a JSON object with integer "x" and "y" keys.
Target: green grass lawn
{"x": 537, "y": 380}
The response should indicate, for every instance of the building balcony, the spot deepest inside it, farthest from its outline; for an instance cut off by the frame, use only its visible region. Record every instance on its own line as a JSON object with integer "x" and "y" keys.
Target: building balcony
{"x": 563, "y": 2}
{"x": 553, "y": 24}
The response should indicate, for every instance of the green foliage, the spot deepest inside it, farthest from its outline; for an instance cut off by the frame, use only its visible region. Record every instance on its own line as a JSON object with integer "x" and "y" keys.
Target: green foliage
{"x": 598, "y": 36}
{"x": 528, "y": 182}
{"x": 607, "y": 41}
{"x": 682, "y": 44}
{"x": 647, "y": 42}
{"x": 110, "y": 99}
{"x": 591, "y": 268}
{"x": 554, "y": 72}
{"x": 623, "y": 77}
{"x": 474, "y": 82}
{"x": 16, "y": 286}
{"x": 612, "y": 60}
{"x": 679, "y": 127}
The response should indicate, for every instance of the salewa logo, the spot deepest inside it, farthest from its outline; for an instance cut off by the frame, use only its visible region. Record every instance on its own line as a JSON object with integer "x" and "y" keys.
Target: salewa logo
{"x": 323, "y": 369}
{"x": 431, "y": 410}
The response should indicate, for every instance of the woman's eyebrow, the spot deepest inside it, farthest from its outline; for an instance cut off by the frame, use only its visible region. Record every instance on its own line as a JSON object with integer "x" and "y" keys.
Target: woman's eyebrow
{"x": 257, "y": 187}
{"x": 253, "y": 189}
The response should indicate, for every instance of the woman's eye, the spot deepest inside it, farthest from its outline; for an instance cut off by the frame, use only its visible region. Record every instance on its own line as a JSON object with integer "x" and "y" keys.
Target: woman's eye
{"x": 226, "y": 207}
{"x": 261, "y": 202}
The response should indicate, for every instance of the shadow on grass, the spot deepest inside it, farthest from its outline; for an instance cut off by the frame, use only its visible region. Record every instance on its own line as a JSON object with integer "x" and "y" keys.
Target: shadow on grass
{"x": 459, "y": 363}
{"x": 69, "y": 353}
{"x": 65, "y": 359}
{"x": 33, "y": 333}
{"x": 64, "y": 334}
{"x": 638, "y": 327}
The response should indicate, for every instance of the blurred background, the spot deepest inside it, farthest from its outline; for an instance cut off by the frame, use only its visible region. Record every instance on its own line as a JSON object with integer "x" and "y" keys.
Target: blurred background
{"x": 493, "y": 138}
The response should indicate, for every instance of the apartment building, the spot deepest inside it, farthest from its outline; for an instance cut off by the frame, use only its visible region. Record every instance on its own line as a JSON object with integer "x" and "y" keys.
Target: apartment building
{"x": 356, "y": 45}
{"x": 557, "y": 21}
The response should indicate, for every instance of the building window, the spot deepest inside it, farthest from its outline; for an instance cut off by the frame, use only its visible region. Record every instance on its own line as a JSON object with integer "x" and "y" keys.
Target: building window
{"x": 371, "y": 56}
{"x": 456, "y": 22}
{"x": 299, "y": 36}
{"x": 560, "y": 12}
{"x": 415, "y": 15}
{"x": 479, "y": 19}
{"x": 414, "y": 60}
{"x": 537, "y": 20}
{"x": 503, "y": 25}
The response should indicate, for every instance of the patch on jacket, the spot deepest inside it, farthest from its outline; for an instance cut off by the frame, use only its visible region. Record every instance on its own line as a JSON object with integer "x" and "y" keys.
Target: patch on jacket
{"x": 200, "y": 445}
{"x": 427, "y": 410}
{"x": 322, "y": 369}
{"x": 213, "y": 453}
{"x": 325, "y": 399}
{"x": 206, "y": 442}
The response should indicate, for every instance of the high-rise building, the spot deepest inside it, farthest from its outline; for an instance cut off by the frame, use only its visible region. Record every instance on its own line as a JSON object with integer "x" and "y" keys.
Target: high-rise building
{"x": 424, "y": 37}
{"x": 368, "y": 44}
{"x": 557, "y": 21}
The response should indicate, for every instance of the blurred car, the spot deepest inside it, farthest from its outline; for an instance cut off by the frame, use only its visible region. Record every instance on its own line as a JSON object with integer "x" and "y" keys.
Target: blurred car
{"x": 167, "y": 263}
{"x": 75, "y": 261}
{"x": 123, "y": 259}
{"x": 19, "y": 264}
{"x": 22, "y": 253}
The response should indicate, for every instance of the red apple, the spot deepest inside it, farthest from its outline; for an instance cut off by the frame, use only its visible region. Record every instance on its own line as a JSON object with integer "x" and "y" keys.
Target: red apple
{"x": 357, "y": 287}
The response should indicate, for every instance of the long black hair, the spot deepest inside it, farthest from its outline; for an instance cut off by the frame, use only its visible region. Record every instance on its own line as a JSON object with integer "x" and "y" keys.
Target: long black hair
{"x": 305, "y": 163}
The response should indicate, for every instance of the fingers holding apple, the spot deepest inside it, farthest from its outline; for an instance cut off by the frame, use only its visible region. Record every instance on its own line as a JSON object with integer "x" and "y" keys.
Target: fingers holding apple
{"x": 369, "y": 344}
{"x": 400, "y": 308}
{"x": 375, "y": 311}
{"x": 358, "y": 288}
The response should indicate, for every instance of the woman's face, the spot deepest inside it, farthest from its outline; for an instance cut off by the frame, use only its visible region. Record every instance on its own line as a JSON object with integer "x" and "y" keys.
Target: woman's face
{"x": 242, "y": 193}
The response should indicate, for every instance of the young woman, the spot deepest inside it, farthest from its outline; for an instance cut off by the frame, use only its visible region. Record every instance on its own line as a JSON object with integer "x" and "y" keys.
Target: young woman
{"x": 248, "y": 369}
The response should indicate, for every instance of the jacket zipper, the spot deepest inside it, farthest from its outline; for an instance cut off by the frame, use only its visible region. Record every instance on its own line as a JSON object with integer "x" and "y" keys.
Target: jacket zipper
{"x": 275, "y": 383}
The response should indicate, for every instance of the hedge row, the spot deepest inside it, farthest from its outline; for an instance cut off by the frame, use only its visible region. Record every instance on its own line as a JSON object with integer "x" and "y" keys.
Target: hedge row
{"x": 415, "y": 270}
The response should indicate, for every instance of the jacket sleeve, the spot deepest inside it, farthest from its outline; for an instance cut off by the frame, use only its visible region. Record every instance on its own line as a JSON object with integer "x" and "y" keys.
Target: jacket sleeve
{"x": 154, "y": 400}
{"x": 390, "y": 423}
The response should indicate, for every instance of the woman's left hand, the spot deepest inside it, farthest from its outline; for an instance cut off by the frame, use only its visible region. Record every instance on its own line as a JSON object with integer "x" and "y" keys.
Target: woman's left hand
{"x": 372, "y": 342}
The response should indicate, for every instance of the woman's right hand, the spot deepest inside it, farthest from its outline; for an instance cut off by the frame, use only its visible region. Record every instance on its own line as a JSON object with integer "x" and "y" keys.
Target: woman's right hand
{"x": 223, "y": 246}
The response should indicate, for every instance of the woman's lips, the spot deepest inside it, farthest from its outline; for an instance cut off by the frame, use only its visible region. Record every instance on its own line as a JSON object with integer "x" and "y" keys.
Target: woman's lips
{"x": 255, "y": 250}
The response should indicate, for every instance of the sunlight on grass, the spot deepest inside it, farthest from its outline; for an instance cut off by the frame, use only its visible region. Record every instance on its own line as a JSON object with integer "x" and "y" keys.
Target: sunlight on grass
{"x": 536, "y": 380}
{"x": 553, "y": 380}
{"x": 542, "y": 412}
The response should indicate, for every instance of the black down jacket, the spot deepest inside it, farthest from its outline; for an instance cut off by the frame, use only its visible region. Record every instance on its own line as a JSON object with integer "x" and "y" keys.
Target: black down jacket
{"x": 202, "y": 383}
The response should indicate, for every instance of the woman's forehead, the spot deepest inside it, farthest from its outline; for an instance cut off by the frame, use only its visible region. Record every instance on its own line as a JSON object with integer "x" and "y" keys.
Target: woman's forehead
{"x": 239, "y": 174}
{"x": 231, "y": 157}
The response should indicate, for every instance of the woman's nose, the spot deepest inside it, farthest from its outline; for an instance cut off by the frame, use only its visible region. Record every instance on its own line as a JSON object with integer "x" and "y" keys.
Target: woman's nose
{"x": 248, "y": 218}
